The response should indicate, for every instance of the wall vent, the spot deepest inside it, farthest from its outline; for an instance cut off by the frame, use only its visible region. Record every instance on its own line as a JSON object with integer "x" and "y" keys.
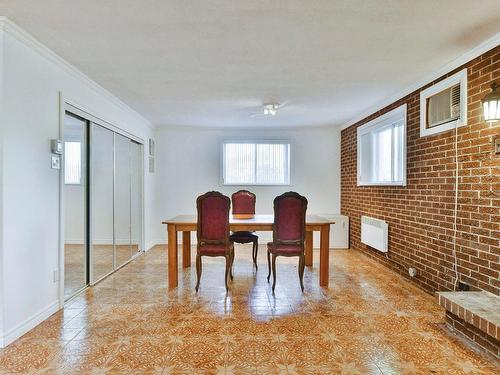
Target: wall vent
{"x": 375, "y": 233}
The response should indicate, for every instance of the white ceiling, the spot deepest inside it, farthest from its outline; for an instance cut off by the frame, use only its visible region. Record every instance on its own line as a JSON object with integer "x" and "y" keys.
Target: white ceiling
{"x": 215, "y": 62}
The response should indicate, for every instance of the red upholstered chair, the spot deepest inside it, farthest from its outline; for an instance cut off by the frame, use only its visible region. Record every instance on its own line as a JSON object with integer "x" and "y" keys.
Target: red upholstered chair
{"x": 213, "y": 231}
{"x": 244, "y": 204}
{"x": 289, "y": 232}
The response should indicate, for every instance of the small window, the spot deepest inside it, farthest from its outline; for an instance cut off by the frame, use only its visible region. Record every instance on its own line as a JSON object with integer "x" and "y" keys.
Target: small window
{"x": 72, "y": 163}
{"x": 255, "y": 163}
{"x": 443, "y": 105}
{"x": 382, "y": 150}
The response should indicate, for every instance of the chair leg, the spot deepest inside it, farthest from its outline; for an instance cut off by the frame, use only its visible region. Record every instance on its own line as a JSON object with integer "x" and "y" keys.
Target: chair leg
{"x": 231, "y": 266}
{"x": 302, "y": 262}
{"x": 268, "y": 265}
{"x": 255, "y": 250}
{"x": 228, "y": 267}
{"x": 198, "y": 271}
{"x": 274, "y": 271}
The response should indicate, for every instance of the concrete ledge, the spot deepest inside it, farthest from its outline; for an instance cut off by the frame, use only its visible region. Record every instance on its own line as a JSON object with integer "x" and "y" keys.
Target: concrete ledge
{"x": 476, "y": 315}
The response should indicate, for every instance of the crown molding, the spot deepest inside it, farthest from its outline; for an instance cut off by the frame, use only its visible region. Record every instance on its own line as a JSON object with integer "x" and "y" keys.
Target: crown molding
{"x": 487, "y": 45}
{"x": 27, "y": 39}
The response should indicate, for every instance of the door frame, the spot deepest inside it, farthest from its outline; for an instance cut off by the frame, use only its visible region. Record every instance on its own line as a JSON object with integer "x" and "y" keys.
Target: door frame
{"x": 66, "y": 104}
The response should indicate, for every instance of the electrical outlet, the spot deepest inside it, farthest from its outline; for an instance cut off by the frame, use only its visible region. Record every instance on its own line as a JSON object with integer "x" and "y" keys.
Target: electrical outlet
{"x": 463, "y": 287}
{"x": 56, "y": 276}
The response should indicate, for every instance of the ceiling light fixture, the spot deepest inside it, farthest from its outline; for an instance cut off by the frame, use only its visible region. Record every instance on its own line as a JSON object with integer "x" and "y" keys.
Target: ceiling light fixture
{"x": 271, "y": 109}
{"x": 491, "y": 104}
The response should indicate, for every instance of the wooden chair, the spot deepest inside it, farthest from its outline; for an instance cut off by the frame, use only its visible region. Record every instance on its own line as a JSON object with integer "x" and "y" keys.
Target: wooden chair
{"x": 213, "y": 232}
{"x": 289, "y": 232}
{"x": 244, "y": 204}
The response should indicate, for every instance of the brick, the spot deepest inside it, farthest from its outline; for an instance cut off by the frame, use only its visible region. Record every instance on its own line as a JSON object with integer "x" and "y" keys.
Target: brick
{"x": 420, "y": 215}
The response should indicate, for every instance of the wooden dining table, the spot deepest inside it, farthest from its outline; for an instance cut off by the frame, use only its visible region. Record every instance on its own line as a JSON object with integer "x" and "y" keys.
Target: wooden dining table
{"x": 188, "y": 223}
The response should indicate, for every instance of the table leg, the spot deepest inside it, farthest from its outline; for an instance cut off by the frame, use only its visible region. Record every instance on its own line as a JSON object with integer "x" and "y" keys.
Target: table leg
{"x": 309, "y": 248}
{"x": 324, "y": 255}
{"x": 186, "y": 249}
{"x": 172, "y": 256}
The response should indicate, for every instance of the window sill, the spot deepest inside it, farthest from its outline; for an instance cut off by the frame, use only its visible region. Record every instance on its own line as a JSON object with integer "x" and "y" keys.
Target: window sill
{"x": 402, "y": 184}
{"x": 243, "y": 185}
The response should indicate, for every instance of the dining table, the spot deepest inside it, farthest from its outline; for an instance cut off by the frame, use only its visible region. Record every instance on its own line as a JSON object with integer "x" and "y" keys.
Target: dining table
{"x": 188, "y": 223}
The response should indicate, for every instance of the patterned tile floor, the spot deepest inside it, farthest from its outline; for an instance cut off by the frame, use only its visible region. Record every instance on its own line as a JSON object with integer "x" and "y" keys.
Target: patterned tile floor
{"x": 370, "y": 321}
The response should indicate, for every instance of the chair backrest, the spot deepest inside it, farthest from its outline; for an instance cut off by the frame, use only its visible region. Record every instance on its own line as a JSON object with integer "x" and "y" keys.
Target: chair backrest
{"x": 243, "y": 202}
{"x": 213, "y": 218}
{"x": 289, "y": 218}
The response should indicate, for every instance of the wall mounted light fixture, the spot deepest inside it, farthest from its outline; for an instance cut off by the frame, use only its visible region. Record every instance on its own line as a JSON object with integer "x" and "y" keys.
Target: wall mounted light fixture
{"x": 491, "y": 104}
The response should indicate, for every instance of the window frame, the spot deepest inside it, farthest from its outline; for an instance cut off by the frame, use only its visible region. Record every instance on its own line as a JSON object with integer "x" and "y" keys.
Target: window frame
{"x": 250, "y": 140}
{"x": 377, "y": 124}
{"x": 457, "y": 78}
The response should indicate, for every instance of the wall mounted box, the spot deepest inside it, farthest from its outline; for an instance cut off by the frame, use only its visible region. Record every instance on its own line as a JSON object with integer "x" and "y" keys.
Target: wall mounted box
{"x": 56, "y": 146}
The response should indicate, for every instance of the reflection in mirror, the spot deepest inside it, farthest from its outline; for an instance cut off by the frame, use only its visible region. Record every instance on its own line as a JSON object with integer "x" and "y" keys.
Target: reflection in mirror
{"x": 136, "y": 196}
{"x": 75, "y": 247}
{"x": 102, "y": 202}
{"x": 122, "y": 199}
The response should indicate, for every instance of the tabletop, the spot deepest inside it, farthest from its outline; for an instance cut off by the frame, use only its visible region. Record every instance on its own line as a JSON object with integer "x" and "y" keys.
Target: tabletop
{"x": 246, "y": 219}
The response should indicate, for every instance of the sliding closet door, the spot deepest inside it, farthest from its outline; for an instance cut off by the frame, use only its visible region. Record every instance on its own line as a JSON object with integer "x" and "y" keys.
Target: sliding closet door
{"x": 136, "y": 160}
{"x": 101, "y": 195}
{"x": 122, "y": 200}
{"x": 75, "y": 204}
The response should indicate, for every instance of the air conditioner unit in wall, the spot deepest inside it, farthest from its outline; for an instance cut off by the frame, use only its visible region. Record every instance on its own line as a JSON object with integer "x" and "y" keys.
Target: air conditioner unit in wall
{"x": 443, "y": 106}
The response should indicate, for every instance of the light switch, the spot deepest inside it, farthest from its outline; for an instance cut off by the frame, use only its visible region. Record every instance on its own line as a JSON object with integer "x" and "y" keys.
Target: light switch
{"x": 56, "y": 162}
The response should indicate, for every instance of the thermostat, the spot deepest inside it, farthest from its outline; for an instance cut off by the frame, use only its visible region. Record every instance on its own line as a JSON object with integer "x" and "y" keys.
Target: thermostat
{"x": 56, "y": 146}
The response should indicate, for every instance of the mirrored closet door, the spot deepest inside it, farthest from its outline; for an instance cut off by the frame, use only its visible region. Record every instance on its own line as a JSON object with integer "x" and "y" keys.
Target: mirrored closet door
{"x": 75, "y": 190}
{"x": 136, "y": 158}
{"x": 116, "y": 196}
{"x": 101, "y": 196}
{"x": 122, "y": 200}
{"x": 103, "y": 177}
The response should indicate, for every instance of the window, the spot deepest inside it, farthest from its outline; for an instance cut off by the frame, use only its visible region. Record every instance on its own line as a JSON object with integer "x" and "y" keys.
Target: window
{"x": 382, "y": 150}
{"x": 72, "y": 163}
{"x": 255, "y": 163}
{"x": 443, "y": 105}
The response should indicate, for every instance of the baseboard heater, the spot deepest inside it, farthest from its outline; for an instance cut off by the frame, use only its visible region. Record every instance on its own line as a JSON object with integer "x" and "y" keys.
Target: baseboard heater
{"x": 375, "y": 233}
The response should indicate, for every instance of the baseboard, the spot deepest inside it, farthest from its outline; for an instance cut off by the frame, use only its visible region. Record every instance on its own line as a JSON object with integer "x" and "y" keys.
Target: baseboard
{"x": 30, "y": 323}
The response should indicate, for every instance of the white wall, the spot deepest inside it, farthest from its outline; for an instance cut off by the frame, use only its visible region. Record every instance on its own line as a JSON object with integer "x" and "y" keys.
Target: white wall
{"x": 33, "y": 78}
{"x": 2, "y": 304}
{"x": 188, "y": 164}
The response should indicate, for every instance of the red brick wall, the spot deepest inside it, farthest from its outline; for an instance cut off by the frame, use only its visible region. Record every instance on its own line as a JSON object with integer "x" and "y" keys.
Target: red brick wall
{"x": 420, "y": 215}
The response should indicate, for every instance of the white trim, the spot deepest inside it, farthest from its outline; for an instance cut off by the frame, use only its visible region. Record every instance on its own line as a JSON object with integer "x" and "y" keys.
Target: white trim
{"x": 386, "y": 119}
{"x": 61, "y": 207}
{"x": 2, "y": 304}
{"x": 81, "y": 111}
{"x": 487, "y": 45}
{"x": 8, "y": 337}
{"x": 11, "y": 28}
{"x": 457, "y": 78}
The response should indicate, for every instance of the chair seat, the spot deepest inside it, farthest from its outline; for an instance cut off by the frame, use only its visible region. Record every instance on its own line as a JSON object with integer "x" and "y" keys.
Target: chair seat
{"x": 284, "y": 249}
{"x": 213, "y": 249}
{"x": 243, "y": 237}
